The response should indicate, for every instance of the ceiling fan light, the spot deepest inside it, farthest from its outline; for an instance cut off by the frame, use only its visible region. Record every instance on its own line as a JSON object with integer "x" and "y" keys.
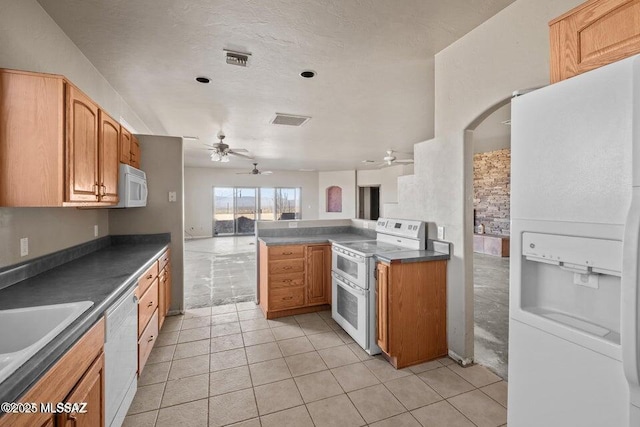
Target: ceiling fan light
{"x": 224, "y": 158}
{"x": 215, "y": 157}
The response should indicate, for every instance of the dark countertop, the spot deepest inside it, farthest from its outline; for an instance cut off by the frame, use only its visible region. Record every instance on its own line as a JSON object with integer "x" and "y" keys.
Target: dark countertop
{"x": 101, "y": 276}
{"x": 412, "y": 256}
{"x": 320, "y": 238}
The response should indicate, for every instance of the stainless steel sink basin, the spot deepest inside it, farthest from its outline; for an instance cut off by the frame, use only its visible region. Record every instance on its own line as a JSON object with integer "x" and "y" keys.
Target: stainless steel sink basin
{"x": 24, "y": 331}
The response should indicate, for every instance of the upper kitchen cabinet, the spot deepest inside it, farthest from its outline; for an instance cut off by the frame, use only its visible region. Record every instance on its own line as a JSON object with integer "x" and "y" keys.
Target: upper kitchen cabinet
{"x": 125, "y": 145}
{"x": 596, "y": 33}
{"x": 57, "y": 147}
{"x": 134, "y": 152}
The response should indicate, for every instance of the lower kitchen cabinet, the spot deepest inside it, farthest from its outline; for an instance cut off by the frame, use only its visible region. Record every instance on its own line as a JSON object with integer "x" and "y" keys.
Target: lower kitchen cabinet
{"x": 294, "y": 279}
{"x": 411, "y": 310}
{"x": 77, "y": 377}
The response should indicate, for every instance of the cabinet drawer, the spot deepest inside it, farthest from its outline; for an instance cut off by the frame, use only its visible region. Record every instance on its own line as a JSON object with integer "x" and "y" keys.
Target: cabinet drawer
{"x": 286, "y": 280}
{"x": 286, "y": 252}
{"x": 164, "y": 259}
{"x": 147, "y": 305}
{"x": 147, "y": 278}
{"x": 146, "y": 341}
{"x": 283, "y": 298}
{"x": 286, "y": 266}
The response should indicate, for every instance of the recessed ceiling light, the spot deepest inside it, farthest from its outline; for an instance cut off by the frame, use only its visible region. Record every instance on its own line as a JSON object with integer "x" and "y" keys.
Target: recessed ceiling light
{"x": 368, "y": 161}
{"x": 203, "y": 79}
{"x": 306, "y": 170}
{"x": 308, "y": 74}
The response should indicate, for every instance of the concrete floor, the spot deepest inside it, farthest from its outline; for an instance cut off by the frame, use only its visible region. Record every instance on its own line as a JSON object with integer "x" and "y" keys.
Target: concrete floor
{"x": 491, "y": 312}
{"x": 220, "y": 270}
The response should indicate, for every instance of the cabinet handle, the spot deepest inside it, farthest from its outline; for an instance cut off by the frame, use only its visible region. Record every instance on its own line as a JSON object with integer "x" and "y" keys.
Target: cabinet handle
{"x": 150, "y": 338}
{"x": 150, "y": 276}
{"x": 287, "y": 253}
{"x": 287, "y": 268}
{"x": 72, "y": 418}
{"x": 104, "y": 189}
{"x": 288, "y": 280}
{"x": 150, "y": 304}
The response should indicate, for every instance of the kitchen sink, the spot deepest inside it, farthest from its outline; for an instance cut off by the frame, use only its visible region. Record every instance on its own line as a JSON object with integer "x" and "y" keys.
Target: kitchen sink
{"x": 24, "y": 331}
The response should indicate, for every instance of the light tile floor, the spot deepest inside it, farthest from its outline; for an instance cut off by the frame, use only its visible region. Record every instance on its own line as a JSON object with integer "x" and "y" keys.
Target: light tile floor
{"x": 219, "y": 270}
{"x": 227, "y": 365}
{"x": 491, "y": 312}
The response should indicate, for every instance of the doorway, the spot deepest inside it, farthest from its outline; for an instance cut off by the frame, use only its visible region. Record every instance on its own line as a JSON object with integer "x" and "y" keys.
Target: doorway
{"x": 369, "y": 203}
{"x": 488, "y": 190}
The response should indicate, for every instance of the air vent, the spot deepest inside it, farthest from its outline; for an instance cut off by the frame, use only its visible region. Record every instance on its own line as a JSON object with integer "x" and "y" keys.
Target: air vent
{"x": 237, "y": 58}
{"x": 289, "y": 120}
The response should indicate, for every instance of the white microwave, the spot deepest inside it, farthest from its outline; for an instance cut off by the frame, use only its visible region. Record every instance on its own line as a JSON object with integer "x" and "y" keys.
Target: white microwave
{"x": 132, "y": 187}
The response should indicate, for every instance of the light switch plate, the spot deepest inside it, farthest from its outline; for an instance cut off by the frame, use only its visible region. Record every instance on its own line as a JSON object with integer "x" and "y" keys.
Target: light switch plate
{"x": 440, "y": 233}
{"x": 172, "y": 196}
{"x": 95, "y": 231}
{"x": 24, "y": 246}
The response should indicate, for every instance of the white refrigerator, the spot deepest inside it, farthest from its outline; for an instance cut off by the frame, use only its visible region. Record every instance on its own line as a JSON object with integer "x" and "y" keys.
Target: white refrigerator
{"x": 575, "y": 211}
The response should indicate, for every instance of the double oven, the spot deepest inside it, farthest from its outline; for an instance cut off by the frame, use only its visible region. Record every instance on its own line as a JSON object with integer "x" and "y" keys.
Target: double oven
{"x": 351, "y": 299}
{"x": 353, "y": 276}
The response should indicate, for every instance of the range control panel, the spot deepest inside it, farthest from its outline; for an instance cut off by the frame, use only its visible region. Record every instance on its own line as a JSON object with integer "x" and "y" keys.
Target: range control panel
{"x": 401, "y": 227}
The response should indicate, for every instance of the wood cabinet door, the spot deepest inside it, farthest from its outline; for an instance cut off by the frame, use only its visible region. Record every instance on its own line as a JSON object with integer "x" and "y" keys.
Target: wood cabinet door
{"x": 125, "y": 145}
{"x": 317, "y": 276}
{"x": 382, "y": 307}
{"x": 167, "y": 289}
{"x": 134, "y": 153}
{"x": 109, "y": 140}
{"x": 90, "y": 389}
{"x": 81, "y": 148}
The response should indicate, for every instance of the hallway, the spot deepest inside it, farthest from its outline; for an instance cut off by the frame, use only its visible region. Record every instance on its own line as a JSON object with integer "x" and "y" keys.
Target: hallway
{"x": 491, "y": 312}
{"x": 220, "y": 270}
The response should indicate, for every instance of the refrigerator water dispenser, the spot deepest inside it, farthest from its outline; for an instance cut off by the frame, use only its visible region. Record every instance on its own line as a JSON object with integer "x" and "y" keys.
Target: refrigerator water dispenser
{"x": 574, "y": 282}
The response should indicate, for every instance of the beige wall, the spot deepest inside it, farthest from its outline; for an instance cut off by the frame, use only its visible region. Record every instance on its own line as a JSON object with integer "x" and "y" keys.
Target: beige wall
{"x": 345, "y": 180}
{"x": 162, "y": 161}
{"x": 30, "y": 40}
{"x": 508, "y": 52}
{"x": 199, "y": 183}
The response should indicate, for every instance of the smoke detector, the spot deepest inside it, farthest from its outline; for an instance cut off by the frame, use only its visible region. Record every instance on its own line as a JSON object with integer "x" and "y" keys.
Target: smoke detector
{"x": 237, "y": 58}
{"x": 289, "y": 119}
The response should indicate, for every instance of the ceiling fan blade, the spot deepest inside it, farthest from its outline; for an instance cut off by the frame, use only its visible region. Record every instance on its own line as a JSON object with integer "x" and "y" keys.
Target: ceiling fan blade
{"x": 235, "y": 153}
{"x": 244, "y": 173}
{"x": 240, "y": 150}
{"x": 405, "y": 161}
{"x": 265, "y": 172}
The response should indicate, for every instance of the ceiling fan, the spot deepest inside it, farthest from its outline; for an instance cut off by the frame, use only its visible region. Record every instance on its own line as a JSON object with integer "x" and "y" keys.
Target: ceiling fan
{"x": 255, "y": 171}
{"x": 390, "y": 159}
{"x": 220, "y": 151}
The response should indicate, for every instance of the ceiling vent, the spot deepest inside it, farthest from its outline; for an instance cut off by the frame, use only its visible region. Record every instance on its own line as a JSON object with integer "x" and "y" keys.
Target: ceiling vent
{"x": 290, "y": 119}
{"x": 237, "y": 58}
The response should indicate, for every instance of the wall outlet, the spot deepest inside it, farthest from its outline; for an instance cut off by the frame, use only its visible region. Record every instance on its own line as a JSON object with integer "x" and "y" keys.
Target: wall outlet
{"x": 172, "y": 196}
{"x": 366, "y": 224}
{"x": 293, "y": 224}
{"x": 95, "y": 231}
{"x": 440, "y": 233}
{"x": 24, "y": 246}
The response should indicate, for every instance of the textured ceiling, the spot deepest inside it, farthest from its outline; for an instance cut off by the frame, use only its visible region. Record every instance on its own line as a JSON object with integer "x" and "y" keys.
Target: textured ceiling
{"x": 374, "y": 59}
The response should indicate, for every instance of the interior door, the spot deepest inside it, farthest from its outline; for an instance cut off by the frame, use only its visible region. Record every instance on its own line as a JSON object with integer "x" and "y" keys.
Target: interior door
{"x": 81, "y": 148}
{"x": 108, "y": 158}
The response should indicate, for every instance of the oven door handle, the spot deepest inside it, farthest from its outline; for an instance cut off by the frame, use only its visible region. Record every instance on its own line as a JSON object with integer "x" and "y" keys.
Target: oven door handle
{"x": 344, "y": 283}
{"x": 358, "y": 259}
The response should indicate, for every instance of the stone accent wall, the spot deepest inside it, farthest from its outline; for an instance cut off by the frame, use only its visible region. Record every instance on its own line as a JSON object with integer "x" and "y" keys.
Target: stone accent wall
{"x": 492, "y": 190}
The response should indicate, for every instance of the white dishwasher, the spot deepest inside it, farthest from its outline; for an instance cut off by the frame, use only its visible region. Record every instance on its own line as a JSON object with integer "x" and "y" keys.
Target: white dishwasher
{"x": 121, "y": 358}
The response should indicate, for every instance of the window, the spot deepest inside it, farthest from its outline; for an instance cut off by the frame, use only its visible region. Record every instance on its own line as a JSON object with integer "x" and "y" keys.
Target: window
{"x": 288, "y": 203}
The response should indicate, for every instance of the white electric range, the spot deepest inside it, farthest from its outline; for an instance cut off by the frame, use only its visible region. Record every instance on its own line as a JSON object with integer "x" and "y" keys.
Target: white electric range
{"x": 354, "y": 280}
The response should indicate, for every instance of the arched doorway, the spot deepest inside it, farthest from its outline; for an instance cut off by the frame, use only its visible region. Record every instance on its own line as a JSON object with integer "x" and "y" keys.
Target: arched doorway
{"x": 487, "y": 205}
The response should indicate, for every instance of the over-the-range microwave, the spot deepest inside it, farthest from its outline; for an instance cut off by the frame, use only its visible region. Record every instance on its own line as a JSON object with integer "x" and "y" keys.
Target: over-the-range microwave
{"x": 132, "y": 187}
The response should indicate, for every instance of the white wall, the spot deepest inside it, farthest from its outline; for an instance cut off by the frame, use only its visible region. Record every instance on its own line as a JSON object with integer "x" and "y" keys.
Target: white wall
{"x": 199, "y": 183}
{"x": 162, "y": 160}
{"x": 345, "y": 180}
{"x": 387, "y": 179}
{"x": 31, "y": 40}
{"x": 508, "y": 52}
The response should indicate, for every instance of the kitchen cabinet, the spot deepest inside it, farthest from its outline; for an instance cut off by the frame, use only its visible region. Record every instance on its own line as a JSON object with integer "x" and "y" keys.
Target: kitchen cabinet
{"x": 294, "y": 279}
{"x": 57, "y": 147}
{"x": 595, "y": 33}
{"x": 154, "y": 299}
{"x": 78, "y": 376}
{"x": 125, "y": 145}
{"x": 411, "y": 310}
{"x": 134, "y": 153}
{"x": 318, "y": 276}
